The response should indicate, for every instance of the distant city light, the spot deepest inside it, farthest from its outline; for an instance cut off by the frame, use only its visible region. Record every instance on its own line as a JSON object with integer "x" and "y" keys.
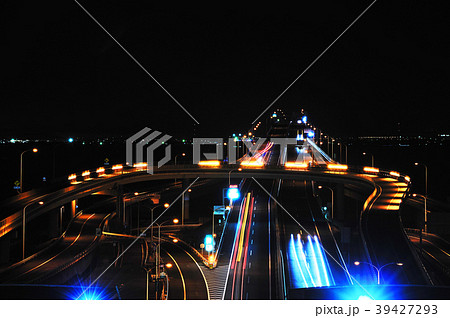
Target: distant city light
{"x": 304, "y": 119}
{"x": 70, "y": 140}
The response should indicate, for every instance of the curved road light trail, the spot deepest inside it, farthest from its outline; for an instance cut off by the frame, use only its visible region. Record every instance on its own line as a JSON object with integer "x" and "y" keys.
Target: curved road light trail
{"x": 139, "y": 237}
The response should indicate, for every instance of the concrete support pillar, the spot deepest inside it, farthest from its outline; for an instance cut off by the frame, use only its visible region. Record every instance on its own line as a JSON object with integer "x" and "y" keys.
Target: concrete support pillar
{"x": 73, "y": 208}
{"x": 185, "y": 202}
{"x": 61, "y": 217}
{"x": 120, "y": 208}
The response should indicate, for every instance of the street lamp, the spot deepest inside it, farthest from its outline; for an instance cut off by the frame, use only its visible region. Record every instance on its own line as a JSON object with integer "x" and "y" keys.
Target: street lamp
{"x": 166, "y": 205}
{"x": 229, "y": 175}
{"x": 147, "y": 271}
{"x": 21, "y": 166}
{"x": 158, "y": 249}
{"x": 366, "y": 154}
{"x": 426, "y": 176}
{"x": 332, "y": 199}
{"x": 424, "y": 227}
{"x": 183, "y": 154}
{"x": 378, "y": 269}
{"x": 23, "y": 226}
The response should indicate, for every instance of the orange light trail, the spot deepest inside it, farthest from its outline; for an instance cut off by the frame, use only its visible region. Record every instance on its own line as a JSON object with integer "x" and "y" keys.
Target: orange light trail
{"x": 334, "y": 166}
{"x": 296, "y": 165}
{"x": 371, "y": 169}
{"x": 209, "y": 163}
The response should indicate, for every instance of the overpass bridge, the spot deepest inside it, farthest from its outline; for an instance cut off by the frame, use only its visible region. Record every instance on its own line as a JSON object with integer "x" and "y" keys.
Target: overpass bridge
{"x": 381, "y": 191}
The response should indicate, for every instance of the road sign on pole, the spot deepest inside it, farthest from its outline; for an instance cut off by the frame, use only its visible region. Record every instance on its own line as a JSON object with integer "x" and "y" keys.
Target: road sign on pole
{"x": 209, "y": 243}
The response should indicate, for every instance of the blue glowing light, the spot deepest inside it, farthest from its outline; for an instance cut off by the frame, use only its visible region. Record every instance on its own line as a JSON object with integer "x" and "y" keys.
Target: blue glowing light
{"x": 208, "y": 239}
{"x": 308, "y": 266}
{"x": 311, "y": 134}
{"x": 87, "y": 292}
{"x": 366, "y": 292}
{"x": 304, "y": 119}
{"x": 209, "y": 243}
{"x": 233, "y": 193}
{"x": 70, "y": 140}
{"x": 364, "y": 297}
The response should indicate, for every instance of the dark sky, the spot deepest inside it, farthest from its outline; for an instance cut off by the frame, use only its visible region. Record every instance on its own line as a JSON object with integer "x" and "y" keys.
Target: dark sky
{"x": 61, "y": 74}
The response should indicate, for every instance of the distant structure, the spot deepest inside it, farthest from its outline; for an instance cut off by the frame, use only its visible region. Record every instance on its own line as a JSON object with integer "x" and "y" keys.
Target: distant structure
{"x": 295, "y": 127}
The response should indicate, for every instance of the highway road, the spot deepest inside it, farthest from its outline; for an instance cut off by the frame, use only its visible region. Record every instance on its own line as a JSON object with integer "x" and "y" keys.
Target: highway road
{"x": 385, "y": 238}
{"x": 310, "y": 254}
{"x": 186, "y": 279}
{"x": 306, "y": 264}
{"x": 436, "y": 254}
{"x": 50, "y": 264}
{"x": 249, "y": 267}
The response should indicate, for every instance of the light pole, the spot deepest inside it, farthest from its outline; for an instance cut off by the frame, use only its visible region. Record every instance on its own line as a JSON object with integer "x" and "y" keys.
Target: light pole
{"x": 166, "y": 205}
{"x": 229, "y": 175}
{"x": 21, "y": 166}
{"x": 147, "y": 270}
{"x": 332, "y": 200}
{"x": 332, "y": 149}
{"x": 23, "y": 226}
{"x": 426, "y": 176}
{"x": 346, "y": 151}
{"x": 158, "y": 249}
{"x": 183, "y": 154}
{"x": 424, "y": 227}
{"x": 378, "y": 269}
{"x": 373, "y": 160}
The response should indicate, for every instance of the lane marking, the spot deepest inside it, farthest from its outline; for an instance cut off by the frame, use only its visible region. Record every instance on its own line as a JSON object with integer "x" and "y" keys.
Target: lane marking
{"x": 181, "y": 274}
{"x": 50, "y": 259}
{"x": 204, "y": 278}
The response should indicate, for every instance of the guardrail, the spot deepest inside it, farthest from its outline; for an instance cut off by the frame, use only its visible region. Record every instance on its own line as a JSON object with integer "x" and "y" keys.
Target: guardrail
{"x": 122, "y": 169}
{"x": 444, "y": 268}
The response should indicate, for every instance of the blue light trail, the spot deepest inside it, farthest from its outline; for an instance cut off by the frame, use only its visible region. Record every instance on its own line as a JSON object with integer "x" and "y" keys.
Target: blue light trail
{"x": 308, "y": 266}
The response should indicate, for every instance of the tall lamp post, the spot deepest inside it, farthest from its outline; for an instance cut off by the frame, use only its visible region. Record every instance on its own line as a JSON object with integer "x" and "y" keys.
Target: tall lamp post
{"x": 158, "y": 249}
{"x": 332, "y": 200}
{"x": 23, "y": 226}
{"x": 183, "y": 154}
{"x": 373, "y": 160}
{"x": 21, "y": 166}
{"x": 424, "y": 227}
{"x": 166, "y": 205}
{"x": 426, "y": 176}
{"x": 229, "y": 175}
{"x": 378, "y": 270}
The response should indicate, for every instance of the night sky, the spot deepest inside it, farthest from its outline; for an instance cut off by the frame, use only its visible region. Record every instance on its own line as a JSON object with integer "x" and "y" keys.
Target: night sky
{"x": 63, "y": 75}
